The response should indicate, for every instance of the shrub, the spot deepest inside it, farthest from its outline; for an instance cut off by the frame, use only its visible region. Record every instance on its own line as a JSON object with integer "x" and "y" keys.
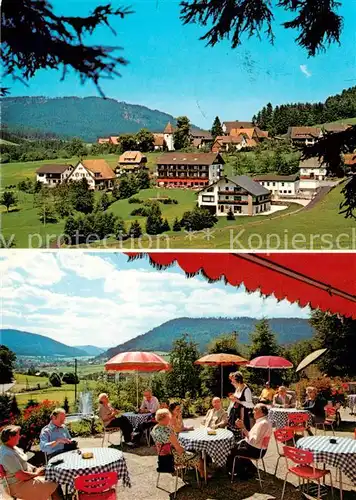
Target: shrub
{"x": 135, "y": 200}
{"x": 143, "y": 211}
{"x": 330, "y": 389}
{"x": 34, "y": 418}
{"x": 55, "y": 380}
{"x": 230, "y": 215}
{"x": 70, "y": 378}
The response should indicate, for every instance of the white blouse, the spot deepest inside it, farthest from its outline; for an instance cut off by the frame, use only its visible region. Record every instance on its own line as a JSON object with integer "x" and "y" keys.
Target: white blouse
{"x": 248, "y": 396}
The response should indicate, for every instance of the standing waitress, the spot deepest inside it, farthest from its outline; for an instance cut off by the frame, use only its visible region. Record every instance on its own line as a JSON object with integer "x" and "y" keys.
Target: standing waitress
{"x": 242, "y": 395}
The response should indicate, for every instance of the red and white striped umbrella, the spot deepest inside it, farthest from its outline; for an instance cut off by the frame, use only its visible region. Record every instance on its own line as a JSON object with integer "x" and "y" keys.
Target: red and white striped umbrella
{"x": 137, "y": 361}
{"x": 270, "y": 363}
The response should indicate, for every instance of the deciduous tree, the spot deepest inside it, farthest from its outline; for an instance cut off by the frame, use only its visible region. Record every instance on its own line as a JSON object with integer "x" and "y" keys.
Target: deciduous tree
{"x": 8, "y": 199}
{"x": 184, "y": 376}
{"x": 181, "y": 134}
{"x": 7, "y": 364}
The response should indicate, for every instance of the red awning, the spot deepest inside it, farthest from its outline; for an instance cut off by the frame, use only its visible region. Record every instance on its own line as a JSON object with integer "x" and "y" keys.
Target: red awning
{"x": 325, "y": 281}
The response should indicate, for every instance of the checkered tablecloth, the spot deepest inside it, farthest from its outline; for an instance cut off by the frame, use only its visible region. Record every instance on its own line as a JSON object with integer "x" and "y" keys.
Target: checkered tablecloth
{"x": 351, "y": 400}
{"x": 218, "y": 447}
{"x": 137, "y": 418}
{"x": 104, "y": 460}
{"x": 341, "y": 454}
{"x": 279, "y": 416}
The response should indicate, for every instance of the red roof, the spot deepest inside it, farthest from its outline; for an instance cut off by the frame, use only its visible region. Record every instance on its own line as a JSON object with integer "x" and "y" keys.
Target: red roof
{"x": 297, "y": 277}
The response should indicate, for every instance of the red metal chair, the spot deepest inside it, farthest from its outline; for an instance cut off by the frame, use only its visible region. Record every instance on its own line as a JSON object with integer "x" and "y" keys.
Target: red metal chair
{"x": 96, "y": 486}
{"x": 297, "y": 422}
{"x": 304, "y": 468}
{"x": 3, "y": 478}
{"x": 330, "y": 419}
{"x": 282, "y": 435}
{"x": 179, "y": 470}
{"x": 265, "y": 443}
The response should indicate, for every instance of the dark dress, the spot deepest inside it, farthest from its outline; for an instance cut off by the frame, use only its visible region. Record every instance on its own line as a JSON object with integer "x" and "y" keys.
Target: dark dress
{"x": 316, "y": 408}
{"x": 237, "y": 412}
{"x": 242, "y": 398}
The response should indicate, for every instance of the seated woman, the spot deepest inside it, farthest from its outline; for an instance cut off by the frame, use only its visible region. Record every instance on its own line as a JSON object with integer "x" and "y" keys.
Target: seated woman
{"x": 163, "y": 434}
{"x": 110, "y": 419}
{"x": 177, "y": 423}
{"x": 25, "y": 481}
{"x": 315, "y": 404}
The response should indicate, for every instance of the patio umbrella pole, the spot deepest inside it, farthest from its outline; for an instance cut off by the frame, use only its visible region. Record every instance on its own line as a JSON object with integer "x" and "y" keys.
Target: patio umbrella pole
{"x": 137, "y": 388}
{"x": 269, "y": 375}
{"x": 222, "y": 381}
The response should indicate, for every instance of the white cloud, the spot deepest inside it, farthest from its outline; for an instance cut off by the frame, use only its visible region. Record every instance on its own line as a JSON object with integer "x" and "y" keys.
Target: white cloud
{"x": 111, "y": 305}
{"x": 304, "y": 69}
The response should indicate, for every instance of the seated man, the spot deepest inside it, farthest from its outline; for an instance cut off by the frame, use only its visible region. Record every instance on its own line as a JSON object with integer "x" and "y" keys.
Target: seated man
{"x": 150, "y": 404}
{"x": 216, "y": 417}
{"x": 251, "y": 445}
{"x": 55, "y": 437}
{"x": 267, "y": 394}
{"x": 282, "y": 399}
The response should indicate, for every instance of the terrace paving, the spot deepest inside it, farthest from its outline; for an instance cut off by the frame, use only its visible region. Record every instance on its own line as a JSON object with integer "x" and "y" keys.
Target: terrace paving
{"x": 142, "y": 463}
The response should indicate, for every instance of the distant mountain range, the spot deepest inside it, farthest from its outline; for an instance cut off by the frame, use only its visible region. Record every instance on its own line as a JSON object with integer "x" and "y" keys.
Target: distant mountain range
{"x": 87, "y": 118}
{"x": 32, "y": 344}
{"x": 91, "y": 350}
{"x": 203, "y": 330}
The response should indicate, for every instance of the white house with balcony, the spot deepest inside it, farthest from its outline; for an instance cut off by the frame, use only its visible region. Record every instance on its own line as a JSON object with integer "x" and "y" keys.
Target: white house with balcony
{"x": 52, "y": 175}
{"x": 280, "y": 186}
{"x": 311, "y": 173}
{"x": 241, "y": 195}
{"x": 98, "y": 174}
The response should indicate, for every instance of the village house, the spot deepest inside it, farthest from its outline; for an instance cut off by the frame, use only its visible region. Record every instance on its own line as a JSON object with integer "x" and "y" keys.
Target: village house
{"x": 52, "y": 175}
{"x": 188, "y": 169}
{"x": 280, "y": 186}
{"x": 98, "y": 174}
{"x": 158, "y": 143}
{"x": 311, "y": 173}
{"x": 240, "y": 194}
{"x": 229, "y": 143}
{"x": 201, "y": 138}
{"x": 304, "y": 136}
{"x": 228, "y": 126}
{"x": 350, "y": 162}
{"x": 131, "y": 162}
{"x": 103, "y": 140}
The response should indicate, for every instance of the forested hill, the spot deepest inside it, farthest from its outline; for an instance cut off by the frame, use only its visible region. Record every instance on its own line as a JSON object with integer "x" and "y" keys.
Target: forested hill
{"x": 203, "y": 330}
{"x": 277, "y": 119}
{"x": 87, "y": 118}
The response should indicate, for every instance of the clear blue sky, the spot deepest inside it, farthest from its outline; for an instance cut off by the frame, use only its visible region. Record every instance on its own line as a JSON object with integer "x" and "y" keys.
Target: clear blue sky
{"x": 81, "y": 298}
{"x": 171, "y": 69}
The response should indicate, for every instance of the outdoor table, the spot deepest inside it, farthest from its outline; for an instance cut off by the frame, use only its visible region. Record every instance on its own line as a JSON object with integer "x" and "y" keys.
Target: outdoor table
{"x": 137, "y": 418}
{"x": 279, "y": 416}
{"x": 352, "y": 402}
{"x": 341, "y": 454}
{"x": 218, "y": 447}
{"x": 104, "y": 460}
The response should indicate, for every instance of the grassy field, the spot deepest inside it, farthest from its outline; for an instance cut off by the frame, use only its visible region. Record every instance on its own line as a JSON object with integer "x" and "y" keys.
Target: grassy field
{"x": 314, "y": 229}
{"x": 53, "y": 393}
{"x": 323, "y": 219}
{"x": 12, "y": 173}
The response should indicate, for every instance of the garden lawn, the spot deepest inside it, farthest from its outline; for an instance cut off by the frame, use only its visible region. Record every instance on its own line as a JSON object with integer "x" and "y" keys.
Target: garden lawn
{"x": 53, "y": 393}
{"x": 186, "y": 201}
{"x": 26, "y": 381}
{"x": 13, "y": 173}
